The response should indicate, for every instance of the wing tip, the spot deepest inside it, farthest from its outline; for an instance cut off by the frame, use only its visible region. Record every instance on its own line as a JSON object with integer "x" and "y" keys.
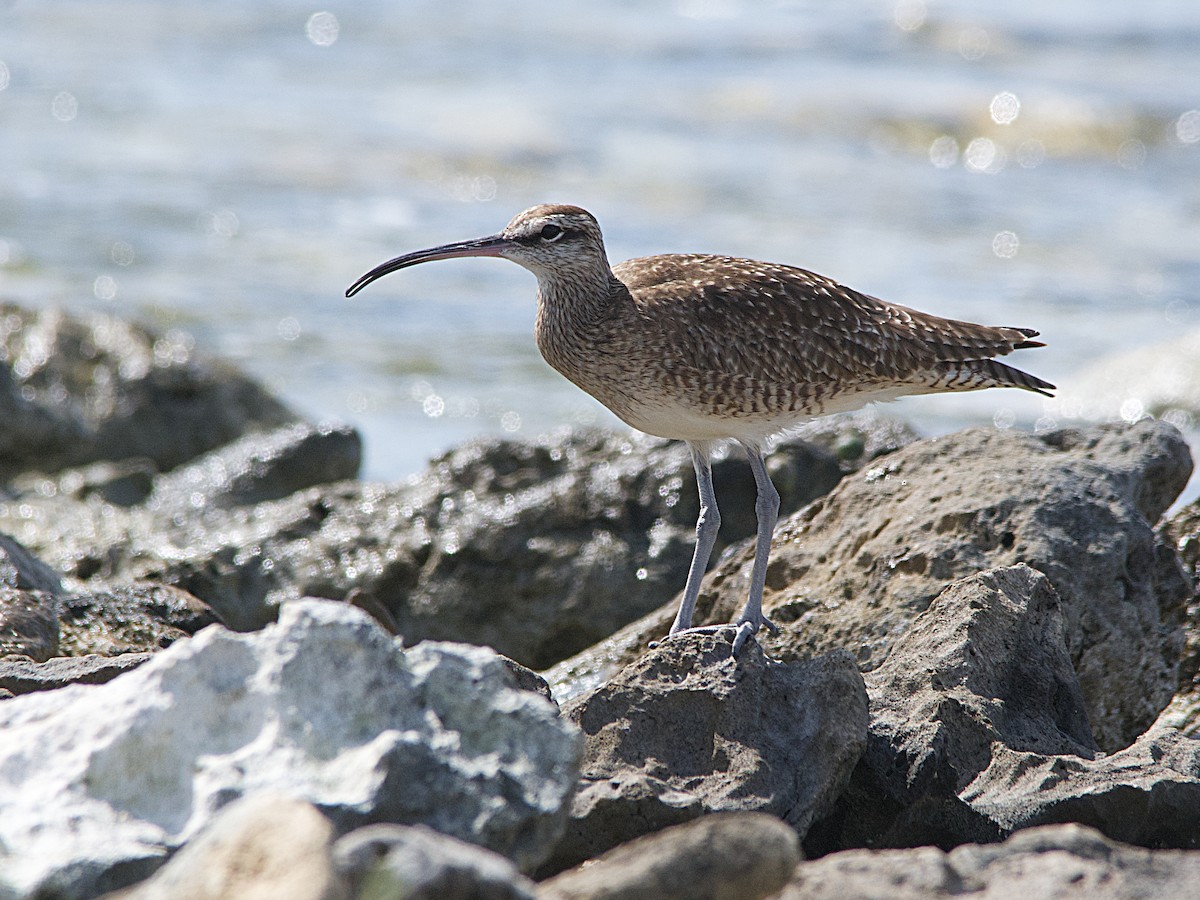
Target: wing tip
{"x": 1009, "y": 376}
{"x": 1028, "y": 333}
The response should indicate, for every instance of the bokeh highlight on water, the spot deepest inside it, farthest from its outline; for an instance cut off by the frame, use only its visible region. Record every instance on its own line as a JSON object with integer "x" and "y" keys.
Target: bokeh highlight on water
{"x": 228, "y": 168}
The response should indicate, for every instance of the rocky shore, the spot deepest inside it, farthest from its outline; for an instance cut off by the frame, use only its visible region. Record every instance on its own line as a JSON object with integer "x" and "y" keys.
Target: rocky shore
{"x": 230, "y": 668}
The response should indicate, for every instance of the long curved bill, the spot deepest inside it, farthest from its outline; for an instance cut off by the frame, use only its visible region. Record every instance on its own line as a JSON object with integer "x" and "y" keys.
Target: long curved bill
{"x": 485, "y": 246}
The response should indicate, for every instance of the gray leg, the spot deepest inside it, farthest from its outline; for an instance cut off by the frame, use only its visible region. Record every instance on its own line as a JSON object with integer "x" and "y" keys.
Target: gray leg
{"x": 707, "y": 527}
{"x": 767, "y": 509}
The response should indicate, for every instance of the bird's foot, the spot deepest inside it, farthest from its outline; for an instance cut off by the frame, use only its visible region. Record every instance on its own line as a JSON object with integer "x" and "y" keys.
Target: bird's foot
{"x": 743, "y": 630}
{"x": 747, "y": 627}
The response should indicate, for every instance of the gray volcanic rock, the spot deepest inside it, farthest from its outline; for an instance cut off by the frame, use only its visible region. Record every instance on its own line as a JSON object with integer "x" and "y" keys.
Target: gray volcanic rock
{"x": 542, "y": 549}
{"x": 726, "y": 855}
{"x": 28, "y": 624}
{"x": 536, "y": 549}
{"x": 1067, "y": 862}
{"x": 24, "y": 676}
{"x": 417, "y": 863}
{"x": 689, "y": 730}
{"x": 1147, "y": 794}
{"x": 98, "y": 784}
{"x": 986, "y": 663}
{"x": 984, "y": 667}
{"x": 1182, "y": 532}
{"x": 855, "y": 568}
{"x": 978, "y": 729}
{"x": 128, "y": 619}
{"x": 22, "y": 570}
{"x": 259, "y": 467}
{"x": 195, "y": 528}
{"x": 41, "y": 624}
{"x": 77, "y": 389}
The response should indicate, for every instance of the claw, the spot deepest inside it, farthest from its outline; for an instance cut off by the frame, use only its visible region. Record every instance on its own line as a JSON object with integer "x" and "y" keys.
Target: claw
{"x": 747, "y": 628}
{"x": 745, "y": 631}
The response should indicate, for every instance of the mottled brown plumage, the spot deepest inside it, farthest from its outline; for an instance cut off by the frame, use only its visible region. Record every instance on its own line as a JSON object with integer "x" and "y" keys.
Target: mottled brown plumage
{"x": 708, "y": 348}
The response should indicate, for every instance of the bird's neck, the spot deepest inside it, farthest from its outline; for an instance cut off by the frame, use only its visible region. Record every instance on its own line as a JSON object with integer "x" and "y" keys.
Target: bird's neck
{"x": 580, "y": 298}
{"x": 574, "y": 319}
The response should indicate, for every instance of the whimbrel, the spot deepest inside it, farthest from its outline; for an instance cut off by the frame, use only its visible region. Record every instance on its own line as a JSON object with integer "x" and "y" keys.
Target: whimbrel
{"x": 706, "y": 349}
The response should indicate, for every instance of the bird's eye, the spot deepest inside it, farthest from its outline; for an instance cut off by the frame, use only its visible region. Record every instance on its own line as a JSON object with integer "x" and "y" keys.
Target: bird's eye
{"x": 551, "y": 232}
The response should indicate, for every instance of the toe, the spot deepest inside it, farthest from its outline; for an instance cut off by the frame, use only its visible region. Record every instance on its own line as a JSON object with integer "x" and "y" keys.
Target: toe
{"x": 745, "y": 631}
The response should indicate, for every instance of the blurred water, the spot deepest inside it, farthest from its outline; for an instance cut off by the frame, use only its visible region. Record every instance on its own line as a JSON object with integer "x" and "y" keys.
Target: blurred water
{"x": 228, "y": 168}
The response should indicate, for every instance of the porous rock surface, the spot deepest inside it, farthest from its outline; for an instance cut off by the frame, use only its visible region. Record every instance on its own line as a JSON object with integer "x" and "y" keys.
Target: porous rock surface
{"x": 98, "y": 784}
{"x": 978, "y": 728}
{"x": 689, "y": 730}
{"x": 855, "y": 568}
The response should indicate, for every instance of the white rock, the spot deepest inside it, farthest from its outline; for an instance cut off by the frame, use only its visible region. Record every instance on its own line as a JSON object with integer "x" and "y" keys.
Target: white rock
{"x": 98, "y": 784}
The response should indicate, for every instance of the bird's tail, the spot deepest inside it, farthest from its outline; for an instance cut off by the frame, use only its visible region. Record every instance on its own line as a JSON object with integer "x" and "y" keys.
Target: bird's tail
{"x": 976, "y": 374}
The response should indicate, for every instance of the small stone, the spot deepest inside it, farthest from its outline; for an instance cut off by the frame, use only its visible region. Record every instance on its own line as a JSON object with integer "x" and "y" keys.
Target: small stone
{"x": 726, "y": 856}
{"x": 129, "y": 619}
{"x": 265, "y": 846}
{"x": 390, "y": 862}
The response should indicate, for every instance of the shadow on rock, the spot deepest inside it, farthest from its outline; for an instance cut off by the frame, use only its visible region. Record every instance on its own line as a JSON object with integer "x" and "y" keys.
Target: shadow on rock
{"x": 978, "y": 729}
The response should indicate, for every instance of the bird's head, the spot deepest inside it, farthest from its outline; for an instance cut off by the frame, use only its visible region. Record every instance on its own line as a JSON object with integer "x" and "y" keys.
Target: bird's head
{"x": 552, "y": 241}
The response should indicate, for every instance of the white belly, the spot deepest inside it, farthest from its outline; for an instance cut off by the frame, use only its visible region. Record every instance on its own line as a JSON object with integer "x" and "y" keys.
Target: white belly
{"x": 685, "y": 423}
